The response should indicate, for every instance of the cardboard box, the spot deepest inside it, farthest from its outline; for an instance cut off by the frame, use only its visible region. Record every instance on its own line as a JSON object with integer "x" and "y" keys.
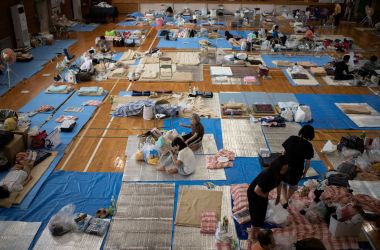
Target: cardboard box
{"x": 344, "y": 229}
{"x": 15, "y": 146}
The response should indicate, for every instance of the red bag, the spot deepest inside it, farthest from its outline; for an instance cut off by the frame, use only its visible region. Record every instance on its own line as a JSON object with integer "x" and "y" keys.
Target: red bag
{"x": 38, "y": 141}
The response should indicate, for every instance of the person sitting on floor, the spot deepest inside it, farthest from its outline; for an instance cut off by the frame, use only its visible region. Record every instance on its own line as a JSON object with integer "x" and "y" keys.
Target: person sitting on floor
{"x": 369, "y": 68}
{"x": 234, "y": 41}
{"x": 181, "y": 156}
{"x": 19, "y": 175}
{"x": 265, "y": 240}
{"x": 197, "y": 130}
{"x": 341, "y": 70}
{"x": 259, "y": 189}
{"x": 103, "y": 45}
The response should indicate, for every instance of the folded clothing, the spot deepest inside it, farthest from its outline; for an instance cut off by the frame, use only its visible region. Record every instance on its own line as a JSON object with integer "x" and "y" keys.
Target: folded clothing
{"x": 213, "y": 163}
{"x": 209, "y": 222}
{"x": 226, "y": 111}
{"x": 299, "y": 76}
{"x": 66, "y": 118}
{"x": 45, "y": 108}
{"x": 88, "y": 89}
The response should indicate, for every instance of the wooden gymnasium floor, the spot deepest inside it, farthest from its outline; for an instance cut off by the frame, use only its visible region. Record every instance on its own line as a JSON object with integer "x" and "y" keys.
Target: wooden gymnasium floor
{"x": 100, "y": 145}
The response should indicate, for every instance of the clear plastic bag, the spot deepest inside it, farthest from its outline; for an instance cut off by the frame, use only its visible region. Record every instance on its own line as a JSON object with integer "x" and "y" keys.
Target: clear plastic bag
{"x": 151, "y": 154}
{"x": 287, "y": 114}
{"x": 276, "y": 214}
{"x": 374, "y": 155}
{"x": 303, "y": 114}
{"x": 363, "y": 162}
{"x": 348, "y": 154}
{"x": 375, "y": 144}
{"x": 63, "y": 221}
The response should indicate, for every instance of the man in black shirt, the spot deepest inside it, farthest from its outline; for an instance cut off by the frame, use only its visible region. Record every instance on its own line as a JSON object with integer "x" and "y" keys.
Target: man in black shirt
{"x": 342, "y": 67}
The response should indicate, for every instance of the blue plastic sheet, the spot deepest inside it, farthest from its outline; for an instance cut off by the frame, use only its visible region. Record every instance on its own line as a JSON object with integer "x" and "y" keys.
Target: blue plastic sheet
{"x": 80, "y": 27}
{"x": 326, "y": 115}
{"x": 319, "y": 60}
{"x": 180, "y": 43}
{"x": 87, "y": 191}
{"x": 74, "y": 101}
{"x": 43, "y": 98}
{"x": 211, "y": 126}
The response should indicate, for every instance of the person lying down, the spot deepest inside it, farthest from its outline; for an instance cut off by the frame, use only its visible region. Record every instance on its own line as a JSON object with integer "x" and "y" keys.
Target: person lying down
{"x": 19, "y": 175}
{"x": 180, "y": 159}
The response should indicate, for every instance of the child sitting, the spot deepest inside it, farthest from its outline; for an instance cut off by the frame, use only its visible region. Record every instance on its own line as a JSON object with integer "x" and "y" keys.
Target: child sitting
{"x": 19, "y": 175}
{"x": 181, "y": 156}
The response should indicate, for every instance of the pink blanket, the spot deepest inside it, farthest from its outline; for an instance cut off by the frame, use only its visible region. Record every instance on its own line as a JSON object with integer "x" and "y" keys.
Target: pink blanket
{"x": 213, "y": 163}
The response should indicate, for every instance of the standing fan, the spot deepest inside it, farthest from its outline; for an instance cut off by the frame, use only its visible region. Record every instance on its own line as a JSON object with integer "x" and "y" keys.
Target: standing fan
{"x": 8, "y": 57}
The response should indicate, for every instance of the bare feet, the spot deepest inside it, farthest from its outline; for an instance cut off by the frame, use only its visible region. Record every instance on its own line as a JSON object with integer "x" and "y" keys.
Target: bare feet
{"x": 160, "y": 168}
{"x": 172, "y": 171}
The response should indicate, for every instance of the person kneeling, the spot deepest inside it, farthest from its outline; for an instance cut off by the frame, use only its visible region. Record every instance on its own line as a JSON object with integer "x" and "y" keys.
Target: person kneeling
{"x": 179, "y": 160}
{"x": 259, "y": 189}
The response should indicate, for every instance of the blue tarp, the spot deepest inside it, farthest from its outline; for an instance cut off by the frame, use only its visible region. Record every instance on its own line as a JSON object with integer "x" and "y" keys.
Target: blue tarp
{"x": 80, "y": 27}
{"x": 87, "y": 191}
{"x": 326, "y": 115}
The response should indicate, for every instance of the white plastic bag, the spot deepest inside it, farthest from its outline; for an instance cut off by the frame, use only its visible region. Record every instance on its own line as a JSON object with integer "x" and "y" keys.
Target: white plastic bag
{"x": 363, "y": 162}
{"x": 276, "y": 214}
{"x": 329, "y": 148}
{"x": 63, "y": 221}
{"x": 300, "y": 115}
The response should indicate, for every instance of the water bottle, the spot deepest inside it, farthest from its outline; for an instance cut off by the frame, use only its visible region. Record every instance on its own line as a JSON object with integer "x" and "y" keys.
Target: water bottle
{"x": 112, "y": 208}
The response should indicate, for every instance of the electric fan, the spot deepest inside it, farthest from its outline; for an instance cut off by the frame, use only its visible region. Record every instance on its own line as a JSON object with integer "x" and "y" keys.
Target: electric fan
{"x": 8, "y": 57}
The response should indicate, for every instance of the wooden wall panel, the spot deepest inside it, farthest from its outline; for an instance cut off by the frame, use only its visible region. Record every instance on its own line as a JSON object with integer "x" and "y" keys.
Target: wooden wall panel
{"x": 6, "y": 18}
{"x": 125, "y": 8}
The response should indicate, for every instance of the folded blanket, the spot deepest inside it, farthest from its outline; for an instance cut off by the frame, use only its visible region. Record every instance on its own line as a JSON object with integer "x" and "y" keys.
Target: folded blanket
{"x": 213, "y": 163}
{"x": 57, "y": 89}
{"x": 88, "y": 89}
{"x": 209, "y": 222}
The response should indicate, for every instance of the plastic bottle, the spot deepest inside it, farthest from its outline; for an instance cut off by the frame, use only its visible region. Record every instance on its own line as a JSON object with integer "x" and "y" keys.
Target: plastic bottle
{"x": 112, "y": 207}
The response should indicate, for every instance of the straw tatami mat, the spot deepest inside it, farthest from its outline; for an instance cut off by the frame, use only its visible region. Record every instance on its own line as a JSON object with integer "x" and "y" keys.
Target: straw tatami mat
{"x": 141, "y": 171}
{"x": 144, "y": 217}
{"x": 275, "y": 137}
{"x": 329, "y": 80}
{"x": 242, "y": 137}
{"x": 190, "y": 238}
{"x": 17, "y": 234}
{"x": 145, "y": 201}
{"x": 69, "y": 241}
{"x": 208, "y": 145}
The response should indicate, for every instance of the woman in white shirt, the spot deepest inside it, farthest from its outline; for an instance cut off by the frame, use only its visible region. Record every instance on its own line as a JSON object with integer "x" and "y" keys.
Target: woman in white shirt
{"x": 181, "y": 159}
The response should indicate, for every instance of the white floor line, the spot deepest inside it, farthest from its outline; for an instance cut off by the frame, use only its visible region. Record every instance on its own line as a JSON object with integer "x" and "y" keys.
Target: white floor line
{"x": 98, "y": 146}
{"x": 85, "y": 131}
{"x": 101, "y": 140}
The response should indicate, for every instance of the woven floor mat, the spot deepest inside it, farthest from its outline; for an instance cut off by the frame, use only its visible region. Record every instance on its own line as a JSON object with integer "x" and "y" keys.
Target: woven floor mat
{"x": 141, "y": 171}
{"x": 190, "y": 238}
{"x": 363, "y": 121}
{"x": 144, "y": 217}
{"x": 17, "y": 234}
{"x": 145, "y": 201}
{"x": 242, "y": 138}
{"x": 68, "y": 241}
{"x": 276, "y": 136}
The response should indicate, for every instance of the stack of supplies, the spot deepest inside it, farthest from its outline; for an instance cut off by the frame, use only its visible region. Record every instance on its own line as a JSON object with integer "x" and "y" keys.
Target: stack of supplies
{"x": 240, "y": 203}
